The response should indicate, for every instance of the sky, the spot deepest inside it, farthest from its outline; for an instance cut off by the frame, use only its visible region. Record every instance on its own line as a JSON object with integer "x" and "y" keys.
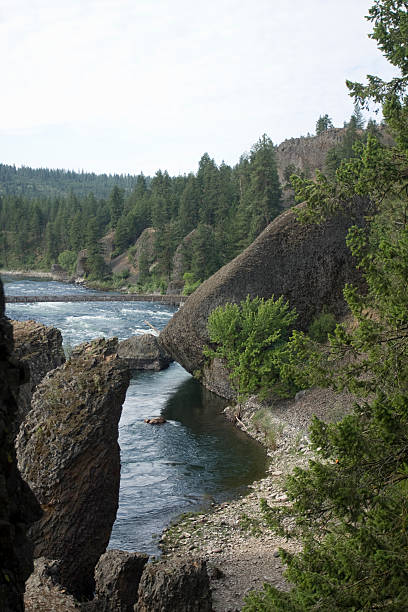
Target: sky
{"x": 130, "y": 86}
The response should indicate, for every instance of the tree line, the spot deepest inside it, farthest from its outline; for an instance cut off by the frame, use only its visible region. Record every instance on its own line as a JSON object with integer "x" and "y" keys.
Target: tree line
{"x": 227, "y": 207}
{"x": 45, "y": 182}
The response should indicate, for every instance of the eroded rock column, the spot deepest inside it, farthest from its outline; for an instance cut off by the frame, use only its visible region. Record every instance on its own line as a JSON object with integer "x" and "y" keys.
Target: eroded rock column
{"x": 68, "y": 452}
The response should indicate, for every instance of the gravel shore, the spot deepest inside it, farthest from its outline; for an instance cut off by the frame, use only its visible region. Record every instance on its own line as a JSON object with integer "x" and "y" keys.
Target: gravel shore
{"x": 241, "y": 553}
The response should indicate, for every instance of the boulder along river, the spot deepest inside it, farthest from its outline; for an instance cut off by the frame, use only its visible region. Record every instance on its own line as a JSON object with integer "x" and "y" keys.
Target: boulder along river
{"x": 195, "y": 459}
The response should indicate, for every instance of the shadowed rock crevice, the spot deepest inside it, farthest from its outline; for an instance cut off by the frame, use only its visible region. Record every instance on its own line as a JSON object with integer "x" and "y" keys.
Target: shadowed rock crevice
{"x": 18, "y": 507}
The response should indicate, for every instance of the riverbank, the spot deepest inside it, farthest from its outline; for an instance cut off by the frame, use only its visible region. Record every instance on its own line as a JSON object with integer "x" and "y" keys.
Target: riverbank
{"x": 241, "y": 552}
{"x": 30, "y": 273}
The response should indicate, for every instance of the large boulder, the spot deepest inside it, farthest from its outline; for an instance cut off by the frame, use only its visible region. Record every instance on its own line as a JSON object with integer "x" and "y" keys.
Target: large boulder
{"x": 68, "y": 452}
{"x": 39, "y": 349}
{"x": 117, "y": 578}
{"x": 143, "y": 352}
{"x": 308, "y": 264}
{"x": 18, "y": 506}
{"x": 175, "y": 585}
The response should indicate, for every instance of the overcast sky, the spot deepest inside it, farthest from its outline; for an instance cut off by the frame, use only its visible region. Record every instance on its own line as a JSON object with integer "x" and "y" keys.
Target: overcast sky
{"x": 137, "y": 85}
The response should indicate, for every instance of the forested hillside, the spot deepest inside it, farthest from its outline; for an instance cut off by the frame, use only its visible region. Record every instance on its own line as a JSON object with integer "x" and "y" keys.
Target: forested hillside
{"x": 49, "y": 216}
{"x": 42, "y": 182}
{"x": 227, "y": 206}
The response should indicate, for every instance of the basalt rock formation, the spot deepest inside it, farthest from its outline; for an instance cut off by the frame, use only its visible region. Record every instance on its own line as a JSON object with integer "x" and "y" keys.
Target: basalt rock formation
{"x": 175, "y": 585}
{"x": 132, "y": 258}
{"x": 44, "y": 592}
{"x": 143, "y": 352}
{"x": 68, "y": 452}
{"x": 18, "y": 506}
{"x": 117, "y": 578}
{"x": 307, "y": 264}
{"x": 39, "y": 349}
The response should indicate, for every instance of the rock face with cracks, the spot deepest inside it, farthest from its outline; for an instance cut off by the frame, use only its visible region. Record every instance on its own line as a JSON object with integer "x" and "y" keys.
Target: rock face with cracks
{"x": 18, "y": 506}
{"x": 39, "y": 349}
{"x": 181, "y": 585}
{"x": 68, "y": 452}
{"x": 117, "y": 578}
{"x": 307, "y": 264}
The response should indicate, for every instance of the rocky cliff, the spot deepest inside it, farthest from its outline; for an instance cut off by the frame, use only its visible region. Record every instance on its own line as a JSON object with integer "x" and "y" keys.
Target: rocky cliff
{"x": 308, "y": 152}
{"x": 68, "y": 452}
{"x": 308, "y": 264}
{"x": 130, "y": 260}
{"x": 18, "y": 507}
{"x": 39, "y": 349}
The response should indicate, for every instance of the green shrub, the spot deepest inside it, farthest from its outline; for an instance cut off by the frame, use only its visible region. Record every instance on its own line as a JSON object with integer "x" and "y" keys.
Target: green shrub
{"x": 263, "y": 423}
{"x": 67, "y": 260}
{"x": 252, "y": 338}
{"x": 190, "y": 284}
{"x": 321, "y": 326}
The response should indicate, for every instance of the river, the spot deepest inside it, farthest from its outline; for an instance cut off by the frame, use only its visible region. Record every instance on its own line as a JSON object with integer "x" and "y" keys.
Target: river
{"x": 196, "y": 459}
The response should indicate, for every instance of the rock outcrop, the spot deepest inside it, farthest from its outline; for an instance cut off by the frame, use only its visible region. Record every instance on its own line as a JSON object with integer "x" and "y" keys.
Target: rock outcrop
{"x": 68, "y": 452}
{"x": 81, "y": 268}
{"x": 131, "y": 259}
{"x": 178, "y": 267}
{"x": 58, "y": 273}
{"x": 117, "y": 578}
{"x": 44, "y": 591}
{"x": 18, "y": 506}
{"x": 307, "y": 264}
{"x": 39, "y": 349}
{"x": 175, "y": 585}
{"x": 307, "y": 153}
{"x": 143, "y": 352}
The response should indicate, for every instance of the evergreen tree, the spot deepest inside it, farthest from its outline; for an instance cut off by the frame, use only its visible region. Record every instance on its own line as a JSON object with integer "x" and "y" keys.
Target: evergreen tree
{"x": 350, "y": 507}
{"x": 116, "y": 202}
{"x": 323, "y": 124}
{"x": 264, "y": 190}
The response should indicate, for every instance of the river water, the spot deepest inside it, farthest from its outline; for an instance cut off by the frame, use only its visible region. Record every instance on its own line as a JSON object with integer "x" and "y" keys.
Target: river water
{"x": 195, "y": 459}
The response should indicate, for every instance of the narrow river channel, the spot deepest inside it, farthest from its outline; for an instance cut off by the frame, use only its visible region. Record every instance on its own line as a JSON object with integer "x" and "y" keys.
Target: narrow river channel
{"x": 195, "y": 459}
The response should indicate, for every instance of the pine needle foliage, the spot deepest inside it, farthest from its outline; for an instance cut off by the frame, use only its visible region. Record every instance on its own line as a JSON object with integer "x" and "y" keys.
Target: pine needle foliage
{"x": 350, "y": 507}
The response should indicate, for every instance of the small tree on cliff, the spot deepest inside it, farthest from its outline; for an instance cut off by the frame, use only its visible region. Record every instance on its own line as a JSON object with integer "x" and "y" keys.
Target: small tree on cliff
{"x": 323, "y": 124}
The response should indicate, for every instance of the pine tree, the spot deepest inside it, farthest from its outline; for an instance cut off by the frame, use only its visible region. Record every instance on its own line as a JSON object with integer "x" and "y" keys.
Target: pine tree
{"x": 323, "y": 124}
{"x": 116, "y": 203}
{"x": 350, "y": 506}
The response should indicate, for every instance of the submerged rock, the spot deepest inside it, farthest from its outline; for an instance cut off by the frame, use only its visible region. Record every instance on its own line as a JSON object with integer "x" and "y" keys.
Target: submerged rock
{"x": 175, "y": 585}
{"x": 18, "y": 506}
{"x": 143, "y": 353}
{"x": 156, "y": 421}
{"x": 39, "y": 348}
{"x": 69, "y": 454}
{"x": 307, "y": 264}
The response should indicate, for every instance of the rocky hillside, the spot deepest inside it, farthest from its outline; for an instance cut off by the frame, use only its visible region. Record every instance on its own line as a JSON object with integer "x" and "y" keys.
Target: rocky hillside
{"x": 308, "y": 264}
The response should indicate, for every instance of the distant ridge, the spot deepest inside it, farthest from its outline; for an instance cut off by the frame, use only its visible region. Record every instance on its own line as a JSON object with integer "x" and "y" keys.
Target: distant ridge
{"x": 40, "y": 182}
